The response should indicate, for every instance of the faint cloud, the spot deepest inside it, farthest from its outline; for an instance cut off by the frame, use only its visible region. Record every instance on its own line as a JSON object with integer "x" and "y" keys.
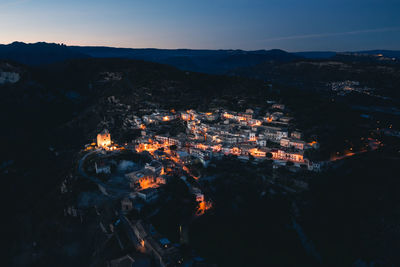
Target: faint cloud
{"x": 13, "y": 3}
{"x": 318, "y": 35}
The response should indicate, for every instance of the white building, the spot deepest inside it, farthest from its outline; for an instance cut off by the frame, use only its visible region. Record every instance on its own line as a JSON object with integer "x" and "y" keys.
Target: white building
{"x": 102, "y": 168}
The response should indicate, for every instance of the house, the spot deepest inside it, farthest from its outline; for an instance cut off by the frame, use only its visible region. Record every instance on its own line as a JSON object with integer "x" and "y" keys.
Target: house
{"x": 148, "y": 195}
{"x": 183, "y": 156}
{"x": 289, "y": 142}
{"x": 155, "y": 166}
{"x": 313, "y": 144}
{"x": 281, "y": 134}
{"x": 235, "y": 151}
{"x": 296, "y": 156}
{"x": 278, "y": 106}
{"x": 226, "y": 150}
{"x": 314, "y": 166}
{"x": 203, "y": 155}
{"x": 245, "y": 116}
{"x": 185, "y": 116}
{"x": 167, "y": 140}
{"x": 252, "y": 136}
{"x": 274, "y": 133}
{"x": 161, "y": 180}
{"x": 212, "y": 117}
{"x": 261, "y": 142}
{"x": 142, "y": 177}
{"x": 162, "y": 139}
{"x": 258, "y": 153}
{"x": 198, "y": 194}
{"x": 174, "y": 141}
{"x": 230, "y": 139}
{"x": 296, "y": 135}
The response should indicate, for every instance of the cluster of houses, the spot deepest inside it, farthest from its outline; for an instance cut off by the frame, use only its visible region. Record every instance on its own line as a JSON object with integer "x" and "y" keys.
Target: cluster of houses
{"x": 223, "y": 132}
{"x": 248, "y": 135}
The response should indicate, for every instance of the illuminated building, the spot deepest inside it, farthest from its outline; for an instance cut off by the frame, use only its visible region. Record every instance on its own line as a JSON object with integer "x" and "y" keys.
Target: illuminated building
{"x": 289, "y": 142}
{"x": 104, "y": 139}
{"x": 287, "y": 155}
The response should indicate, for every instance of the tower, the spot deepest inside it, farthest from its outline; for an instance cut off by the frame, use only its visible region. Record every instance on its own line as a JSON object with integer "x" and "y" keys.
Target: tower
{"x": 104, "y": 139}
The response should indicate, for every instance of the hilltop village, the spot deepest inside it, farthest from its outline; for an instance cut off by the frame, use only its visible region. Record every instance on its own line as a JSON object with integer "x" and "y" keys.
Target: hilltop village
{"x": 170, "y": 142}
{"x": 206, "y": 136}
{"x": 221, "y": 132}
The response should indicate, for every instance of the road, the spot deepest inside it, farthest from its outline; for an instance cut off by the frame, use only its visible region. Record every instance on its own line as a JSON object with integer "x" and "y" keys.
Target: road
{"x": 110, "y": 191}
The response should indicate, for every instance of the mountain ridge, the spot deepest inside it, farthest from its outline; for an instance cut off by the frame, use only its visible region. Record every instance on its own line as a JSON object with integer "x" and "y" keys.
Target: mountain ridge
{"x": 221, "y": 61}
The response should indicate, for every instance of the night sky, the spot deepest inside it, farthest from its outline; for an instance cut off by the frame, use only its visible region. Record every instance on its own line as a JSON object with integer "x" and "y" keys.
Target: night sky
{"x": 292, "y": 25}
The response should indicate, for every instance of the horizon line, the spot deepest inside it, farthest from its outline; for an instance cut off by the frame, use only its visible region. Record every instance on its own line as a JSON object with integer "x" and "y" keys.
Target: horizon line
{"x": 208, "y": 49}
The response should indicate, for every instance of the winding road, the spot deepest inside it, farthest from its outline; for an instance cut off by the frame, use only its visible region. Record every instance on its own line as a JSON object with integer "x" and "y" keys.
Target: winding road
{"x": 106, "y": 189}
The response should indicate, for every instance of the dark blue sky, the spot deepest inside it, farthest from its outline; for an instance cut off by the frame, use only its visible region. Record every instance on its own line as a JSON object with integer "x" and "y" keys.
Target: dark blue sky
{"x": 292, "y": 25}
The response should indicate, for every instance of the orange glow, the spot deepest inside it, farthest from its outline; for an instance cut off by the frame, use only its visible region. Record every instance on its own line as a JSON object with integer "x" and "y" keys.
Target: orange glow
{"x": 185, "y": 117}
{"x": 336, "y": 157}
{"x": 201, "y": 146}
{"x": 228, "y": 116}
{"x": 217, "y": 148}
{"x": 147, "y": 182}
{"x": 257, "y": 153}
{"x": 203, "y": 207}
{"x": 186, "y": 169}
{"x": 173, "y": 110}
{"x": 142, "y": 126}
{"x": 103, "y": 140}
{"x": 257, "y": 123}
{"x": 165, "y": 118}
{"x": 235, "y": 151}
{"x": 269, "y": 119}
{"x": 153, "y": 146}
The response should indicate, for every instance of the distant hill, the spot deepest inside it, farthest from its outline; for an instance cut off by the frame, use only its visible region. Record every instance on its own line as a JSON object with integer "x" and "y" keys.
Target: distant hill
{"x": 206, "y": 61}
{"x": 331, "y": 54}
{"x": 38, "y": 53}
{"x": 384, "y": 53}
{"x": 316, "y": 54}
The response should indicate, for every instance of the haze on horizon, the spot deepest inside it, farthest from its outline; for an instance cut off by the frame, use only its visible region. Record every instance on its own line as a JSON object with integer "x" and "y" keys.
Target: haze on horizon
{"x": 292, "y": 25}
